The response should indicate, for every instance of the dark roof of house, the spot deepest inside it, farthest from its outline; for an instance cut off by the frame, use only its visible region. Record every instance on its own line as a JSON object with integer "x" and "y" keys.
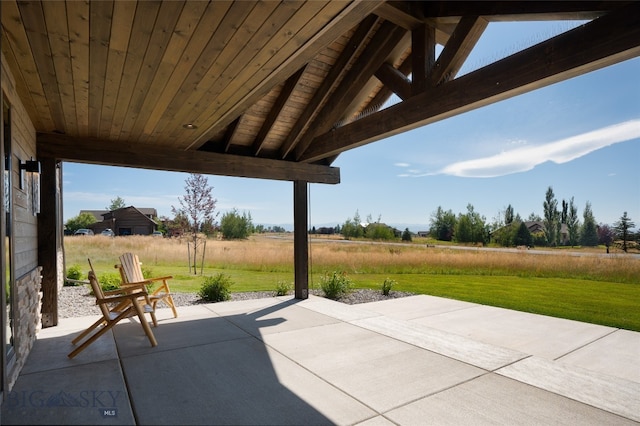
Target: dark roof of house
{"x": 101, "y": 214}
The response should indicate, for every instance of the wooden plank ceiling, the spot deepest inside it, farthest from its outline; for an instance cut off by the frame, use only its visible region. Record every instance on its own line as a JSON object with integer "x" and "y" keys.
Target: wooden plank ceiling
{"x": 274, "y": 89}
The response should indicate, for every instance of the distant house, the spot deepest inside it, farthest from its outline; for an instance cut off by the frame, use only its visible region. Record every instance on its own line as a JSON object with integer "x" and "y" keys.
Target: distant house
{"x": 537, "y": 226}
{"x": 125, "y": 221}
{"x": 534, "y": 226}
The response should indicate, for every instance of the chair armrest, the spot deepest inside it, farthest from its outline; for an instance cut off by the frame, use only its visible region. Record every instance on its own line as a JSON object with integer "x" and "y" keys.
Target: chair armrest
{"x": 160, "y": 278}
{"x": 136, "y": 284}
{"x": 126, "y": 289}
{"x": 133, "y": 297}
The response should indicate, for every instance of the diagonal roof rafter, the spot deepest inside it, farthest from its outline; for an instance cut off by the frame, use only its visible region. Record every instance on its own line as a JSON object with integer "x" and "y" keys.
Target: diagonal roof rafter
{"x": 610, "y": 39}
{"x": 335, "y": 75}
{"x": 374, "y": 55}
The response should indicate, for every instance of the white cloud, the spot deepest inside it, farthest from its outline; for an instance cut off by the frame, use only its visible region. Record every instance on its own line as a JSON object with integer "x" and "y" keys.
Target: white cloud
{"x": 527, "y": 157}
{"x": 402, "y": 164}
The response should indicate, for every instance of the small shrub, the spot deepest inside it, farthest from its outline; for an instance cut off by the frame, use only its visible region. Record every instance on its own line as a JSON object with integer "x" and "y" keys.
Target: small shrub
{"x": 147, "y": 272}
{"x": 283, "y": 288}
{"x": 109, "y": 281}
{"x": 74, "y": 272}
{"x": 335, "y": 285}
{"x": 216, "y": 288}
{"x": 386, "y": 286}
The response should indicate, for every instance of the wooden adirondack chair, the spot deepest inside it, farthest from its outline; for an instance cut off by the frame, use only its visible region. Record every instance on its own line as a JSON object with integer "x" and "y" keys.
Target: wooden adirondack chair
{"x": 127, "y": 304}
{"x": 131, "y": 273}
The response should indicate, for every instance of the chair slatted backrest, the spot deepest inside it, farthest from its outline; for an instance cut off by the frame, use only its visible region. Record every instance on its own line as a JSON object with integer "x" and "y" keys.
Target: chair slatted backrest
{"x": 131, "y": 268}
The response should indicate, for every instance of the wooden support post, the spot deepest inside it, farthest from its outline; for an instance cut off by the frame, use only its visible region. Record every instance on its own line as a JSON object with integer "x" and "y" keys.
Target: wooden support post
{"x": 300, "y": 239}
{"x": 50, "y": 247}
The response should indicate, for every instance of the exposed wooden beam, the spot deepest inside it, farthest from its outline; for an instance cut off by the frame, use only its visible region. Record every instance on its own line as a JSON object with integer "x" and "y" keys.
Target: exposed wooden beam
{"x": 228, "y": 134}
{"x": 356, "y": 42}
{"x": 106, "y": 152}
{"x": 399, "y": 13}
{"x": 373, "y": 56}
{"x": 605, "y": 41}
{"x": 385, "y": 93}
{"x": 284, "y": 95}
{"x": 394, "y": 80}
{"x": 522, "y": 10}
{"x": 458, "y": 48}
{"x": 423, "y": 57}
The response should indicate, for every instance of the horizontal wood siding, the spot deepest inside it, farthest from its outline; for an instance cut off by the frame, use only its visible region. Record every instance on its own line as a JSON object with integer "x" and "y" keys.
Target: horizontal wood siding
{"x": 23, "y": 146}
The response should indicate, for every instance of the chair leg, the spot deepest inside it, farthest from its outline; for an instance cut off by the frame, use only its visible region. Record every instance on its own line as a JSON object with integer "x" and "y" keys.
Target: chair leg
{"x": 172, "y": 305}
{"x": 90, "y": 340}
{"x": 87, "y": 331}
{"x": 145, "y": 325}
{"x": 153, "y": 316}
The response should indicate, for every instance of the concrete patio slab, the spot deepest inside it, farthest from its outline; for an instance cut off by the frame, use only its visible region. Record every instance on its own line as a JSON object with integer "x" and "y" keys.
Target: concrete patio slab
{"x": 377, "y": 421}
{"x": 612, "y": 354}
{"x": 54, "y": 344}
{"x": 383, "y": 373}
{"x": 419, "y": 306}
{"x": 337, "y": 310}
{"x": 83, "y": 394}
{"x": 496, "y": 400}
{"x": 237, "y": 382}
{"x": 283, "y": 361}
{"x": 246, "y": 306}
{"x": 488, "y": 357}
{"x": 608, "y": 393}
{"x": 538, "y": 335}
{"x": 175, "y": 333}
{"x": 277, "y": 318}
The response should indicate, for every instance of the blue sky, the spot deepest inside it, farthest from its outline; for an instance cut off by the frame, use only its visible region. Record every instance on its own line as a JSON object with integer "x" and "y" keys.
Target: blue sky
{"x": 580, "y": 136}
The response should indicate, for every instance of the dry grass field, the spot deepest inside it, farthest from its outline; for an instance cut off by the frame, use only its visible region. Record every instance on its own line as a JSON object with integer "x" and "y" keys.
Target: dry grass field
{"x": 268, "y": 254}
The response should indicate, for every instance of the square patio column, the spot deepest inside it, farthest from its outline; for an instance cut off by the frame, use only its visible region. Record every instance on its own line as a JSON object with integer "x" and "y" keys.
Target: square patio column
{"x": 300, "y": 239}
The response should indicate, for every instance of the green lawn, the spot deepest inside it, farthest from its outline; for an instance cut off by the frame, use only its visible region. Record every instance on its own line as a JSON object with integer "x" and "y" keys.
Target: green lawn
{"x": 599, "y": 302}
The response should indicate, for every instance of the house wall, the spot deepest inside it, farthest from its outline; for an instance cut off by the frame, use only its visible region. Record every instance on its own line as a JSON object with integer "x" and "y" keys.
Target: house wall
{"x": 26, "y": 272}
{"x": 134, "y": 221}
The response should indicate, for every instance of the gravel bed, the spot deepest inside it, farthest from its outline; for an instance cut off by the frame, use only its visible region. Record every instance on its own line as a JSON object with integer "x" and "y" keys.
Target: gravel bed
{"x": 77, "y": 301}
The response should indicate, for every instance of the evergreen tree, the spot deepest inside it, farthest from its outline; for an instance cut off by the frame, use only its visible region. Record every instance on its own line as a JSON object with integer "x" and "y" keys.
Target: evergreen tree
{"x": 508, "y": 215}
{"x": 550, "y": 217}
{"x": 622, "y": 228}
{"x": 589, "y": 234}
{"x": 523, "y": 236}
{"x": 573, "y": 224}
{"x": 406, "y": 235}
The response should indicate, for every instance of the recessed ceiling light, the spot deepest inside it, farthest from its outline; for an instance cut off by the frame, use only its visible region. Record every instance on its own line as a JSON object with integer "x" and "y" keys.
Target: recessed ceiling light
{"x": 190, "y": 126}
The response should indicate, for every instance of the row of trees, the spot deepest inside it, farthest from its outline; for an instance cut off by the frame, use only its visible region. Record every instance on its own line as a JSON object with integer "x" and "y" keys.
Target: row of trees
{"x": 560, "y": 226}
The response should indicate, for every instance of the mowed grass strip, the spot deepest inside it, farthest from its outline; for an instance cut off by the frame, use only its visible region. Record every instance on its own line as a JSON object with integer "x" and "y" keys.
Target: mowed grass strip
{"x": 598, "y": 302}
